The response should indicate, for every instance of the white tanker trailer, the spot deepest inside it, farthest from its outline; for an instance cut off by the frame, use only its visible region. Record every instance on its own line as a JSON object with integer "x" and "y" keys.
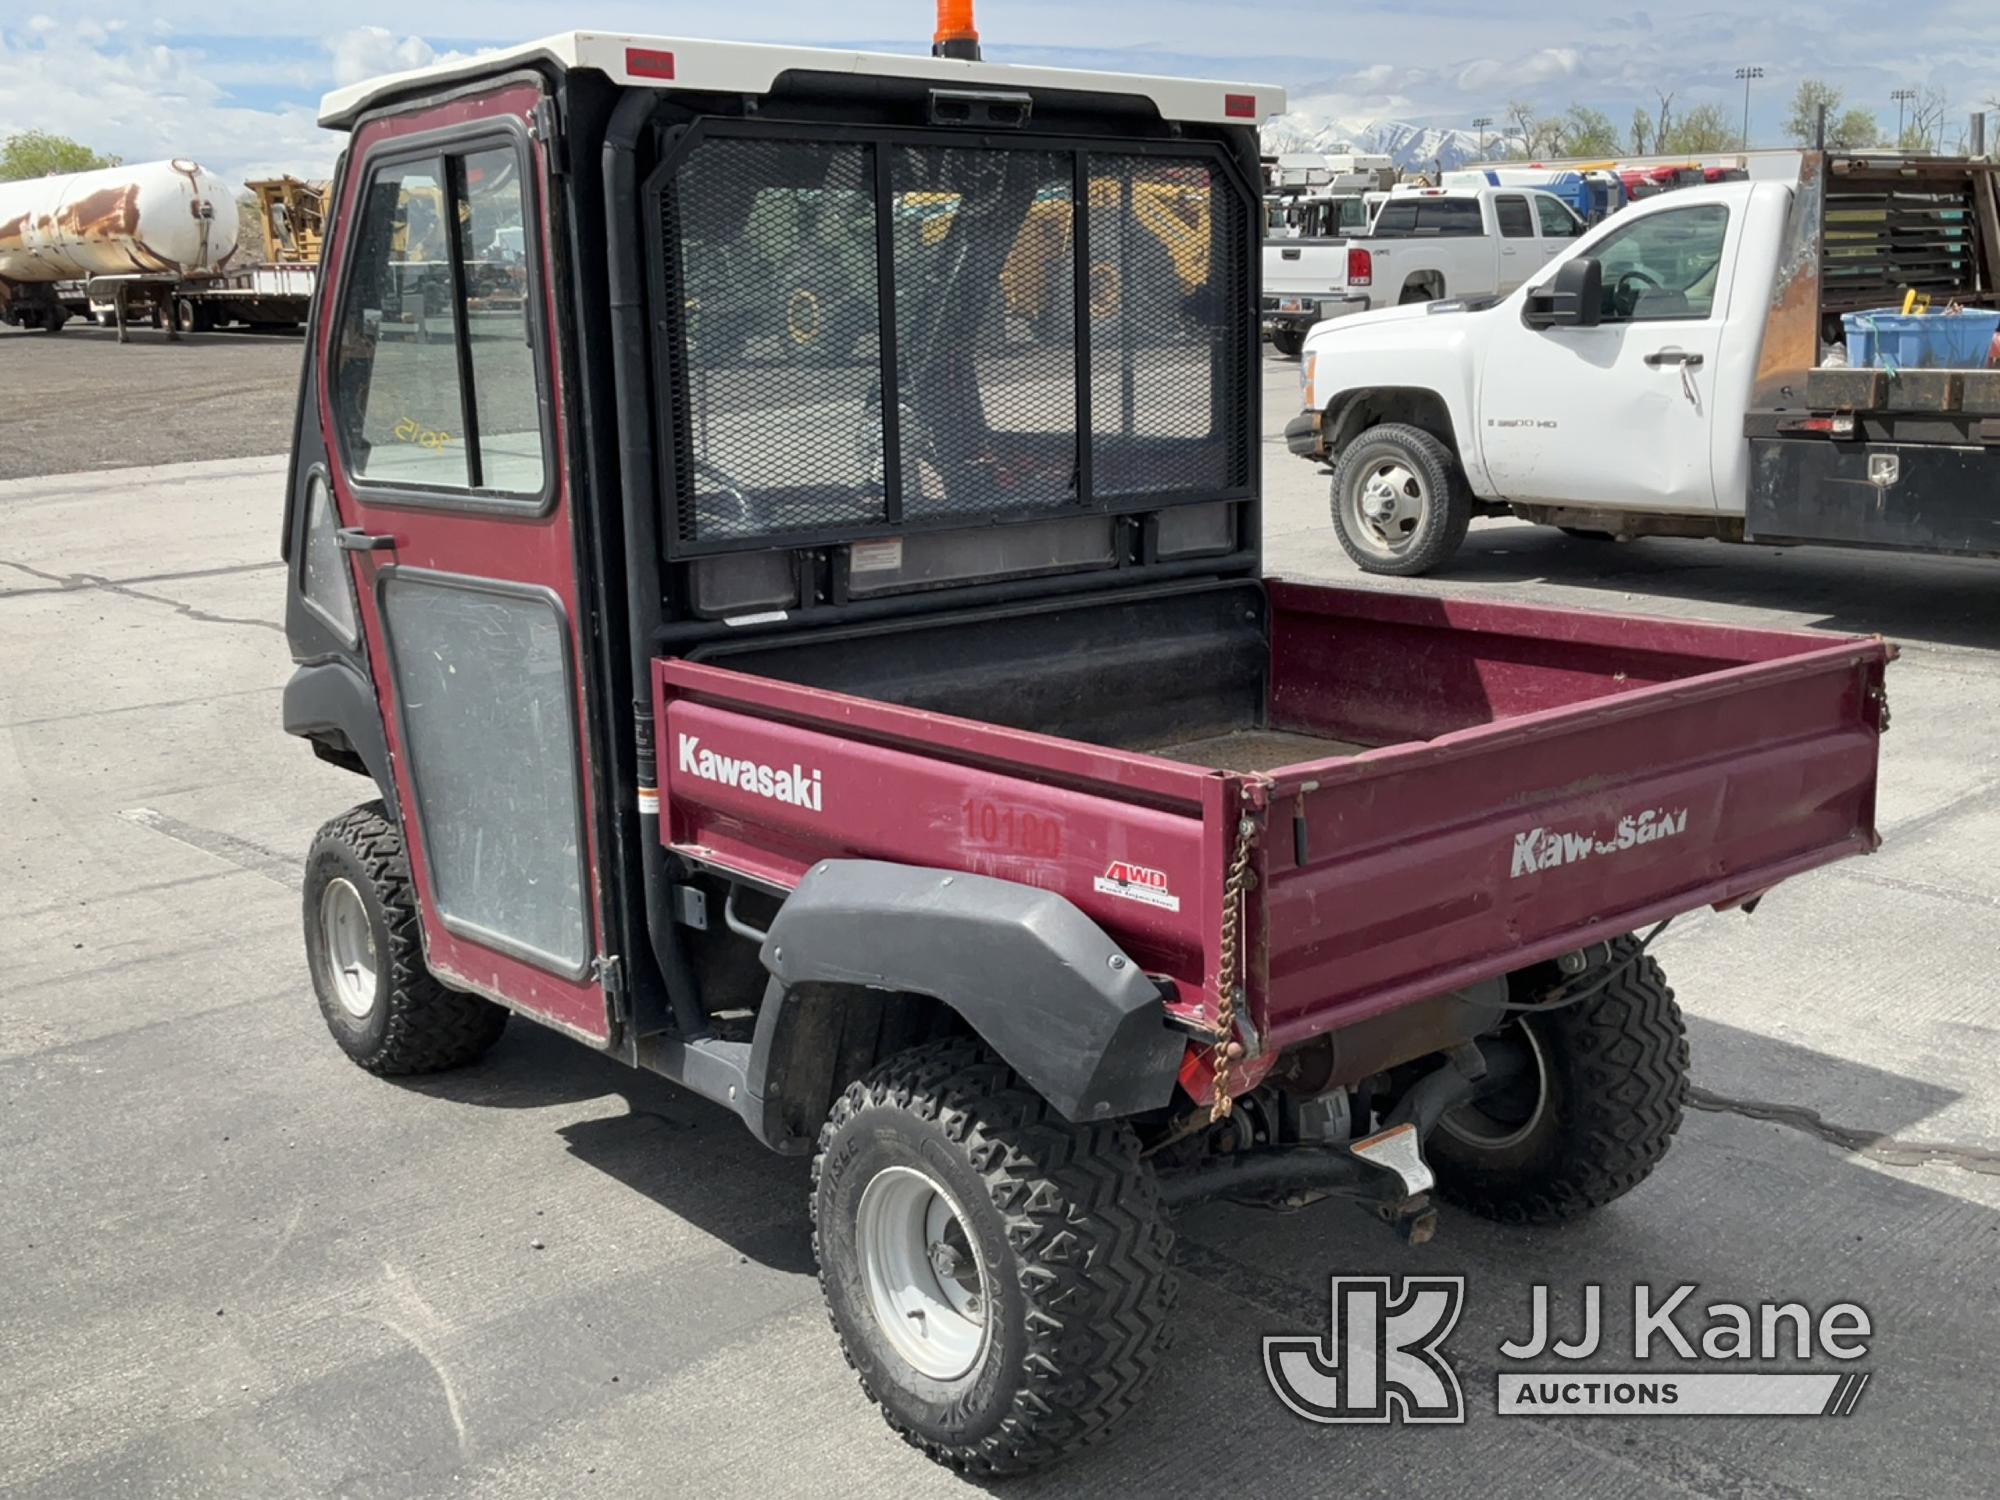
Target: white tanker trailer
{"x": 159, "y": 237}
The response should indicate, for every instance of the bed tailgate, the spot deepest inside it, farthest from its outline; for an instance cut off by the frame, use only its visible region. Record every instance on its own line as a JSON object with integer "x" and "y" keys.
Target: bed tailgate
{"x": 1414, "y": 869}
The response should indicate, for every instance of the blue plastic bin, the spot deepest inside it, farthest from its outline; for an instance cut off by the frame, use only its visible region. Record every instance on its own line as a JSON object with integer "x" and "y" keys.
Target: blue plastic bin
{"x": 1891, "y": 340}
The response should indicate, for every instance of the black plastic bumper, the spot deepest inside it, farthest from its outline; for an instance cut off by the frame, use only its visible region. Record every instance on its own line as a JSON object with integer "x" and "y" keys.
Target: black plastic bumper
{"x": 1302, "y": 435}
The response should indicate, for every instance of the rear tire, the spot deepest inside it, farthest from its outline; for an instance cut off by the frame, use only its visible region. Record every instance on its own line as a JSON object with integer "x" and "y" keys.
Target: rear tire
{"x": 384, "y": 1007}
{"x": 1609, "y": 1084}
{"x": 1400, "y": 502}
{"x": 941, "y": 1177}
{"x": 1288, "y": 342}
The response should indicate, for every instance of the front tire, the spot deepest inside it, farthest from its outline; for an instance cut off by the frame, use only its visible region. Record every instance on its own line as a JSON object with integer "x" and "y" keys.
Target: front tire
{"x": 1400, "y": 503}
{"x": 1594, "y": 1114}
{"x": 384, "y": 1007}
{"x": 999, "y": 1278}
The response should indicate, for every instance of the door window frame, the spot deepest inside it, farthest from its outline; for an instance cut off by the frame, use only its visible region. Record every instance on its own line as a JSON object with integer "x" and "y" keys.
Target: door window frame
{"x": 503, "y": 132}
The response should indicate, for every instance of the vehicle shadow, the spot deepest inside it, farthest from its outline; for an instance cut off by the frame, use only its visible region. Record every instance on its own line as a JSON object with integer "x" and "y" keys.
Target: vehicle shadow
{"x": 1760, "y": 1200}
{"x": 693, "y": 1158}
{"x": 1747, "y": 1207}
{"x": 1944, "y": 601}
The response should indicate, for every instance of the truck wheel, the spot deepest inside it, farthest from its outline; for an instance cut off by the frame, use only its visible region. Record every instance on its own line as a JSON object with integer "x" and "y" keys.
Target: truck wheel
{"x": 383, "y": 1006}
{"x": 1589, "y": 1120}
{"x": 1000, "y": 1279}
{"x": 1400, "y": 501}
{"x": 1289, "y": 342}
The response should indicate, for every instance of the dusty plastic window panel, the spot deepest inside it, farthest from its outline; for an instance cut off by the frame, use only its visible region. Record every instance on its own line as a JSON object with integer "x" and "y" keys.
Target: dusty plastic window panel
{"x": 327, "y": 582}
{"x": 775, "y": 246}
{"x": 494, "y": 270}
{"x": 396, "y": 386}
{"x": 1168, "y": 297}
{"x": 486, "y": 704}
{"x": 985, "y": 287}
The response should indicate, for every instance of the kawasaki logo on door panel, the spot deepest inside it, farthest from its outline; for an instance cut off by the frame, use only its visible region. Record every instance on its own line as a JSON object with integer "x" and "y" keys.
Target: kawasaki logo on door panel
{"x": 1546, "y": 848}
{"x": 797, "y": 787}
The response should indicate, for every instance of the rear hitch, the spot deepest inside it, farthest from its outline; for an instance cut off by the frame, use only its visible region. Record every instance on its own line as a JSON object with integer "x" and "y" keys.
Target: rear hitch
{"x": 1386, "y": 1170}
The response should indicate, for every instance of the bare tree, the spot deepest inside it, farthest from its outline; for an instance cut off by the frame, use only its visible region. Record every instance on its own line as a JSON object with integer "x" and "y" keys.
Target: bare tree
{"x": 1666, "y": 120}
{"x": 1642, "y": 130}
{"x": 1522, "y": 125}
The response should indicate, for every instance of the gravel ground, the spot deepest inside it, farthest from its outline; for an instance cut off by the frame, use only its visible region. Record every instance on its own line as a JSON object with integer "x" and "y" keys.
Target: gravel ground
{"x": 79, "y": 401}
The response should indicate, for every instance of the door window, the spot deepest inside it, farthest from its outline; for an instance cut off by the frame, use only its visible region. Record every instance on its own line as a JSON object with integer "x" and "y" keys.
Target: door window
{"x": 1558, "y": 223}
{"x": 1665, "y": 266}
{"x": 1516, "y": 223}
{"x": 435, "y": 381}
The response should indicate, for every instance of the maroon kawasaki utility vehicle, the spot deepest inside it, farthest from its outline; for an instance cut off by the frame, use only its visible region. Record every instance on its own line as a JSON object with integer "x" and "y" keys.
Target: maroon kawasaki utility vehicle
{"x": 780, "y": 530}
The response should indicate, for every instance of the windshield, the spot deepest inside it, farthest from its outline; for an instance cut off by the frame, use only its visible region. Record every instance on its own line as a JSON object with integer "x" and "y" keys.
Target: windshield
{"x": 1043, "y": 359}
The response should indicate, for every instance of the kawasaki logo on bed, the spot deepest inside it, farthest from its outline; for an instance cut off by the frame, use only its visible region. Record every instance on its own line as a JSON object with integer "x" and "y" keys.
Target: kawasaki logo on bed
{"x": 796, "y": 786}
{"x": 1545, "y": 848}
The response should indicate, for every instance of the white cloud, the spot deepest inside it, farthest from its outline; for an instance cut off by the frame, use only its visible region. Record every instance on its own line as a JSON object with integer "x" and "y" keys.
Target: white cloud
{"x": 367, "y": 51}
{"x": 1544, "y": 66}
{"x": 144, "y": 101}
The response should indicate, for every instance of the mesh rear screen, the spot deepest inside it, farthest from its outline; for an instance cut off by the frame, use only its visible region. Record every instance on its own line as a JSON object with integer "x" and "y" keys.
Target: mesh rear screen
{"x": 782, "y": 259}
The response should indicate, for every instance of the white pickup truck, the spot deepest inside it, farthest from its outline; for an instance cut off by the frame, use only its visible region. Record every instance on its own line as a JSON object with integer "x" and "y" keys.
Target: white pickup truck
{"x": 1424, "y": 244}
{"x": 1665, "y": 378}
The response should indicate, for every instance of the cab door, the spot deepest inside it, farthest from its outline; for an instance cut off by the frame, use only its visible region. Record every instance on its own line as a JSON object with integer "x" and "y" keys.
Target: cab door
{"x": 1621, "y": 415}
{"x": 436, "y": 378}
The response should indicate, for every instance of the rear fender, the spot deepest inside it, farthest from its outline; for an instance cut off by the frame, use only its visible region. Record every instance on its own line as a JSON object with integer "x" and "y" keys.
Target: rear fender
{"x": 334, "y": 706}
{"x": 1034, "y": 977}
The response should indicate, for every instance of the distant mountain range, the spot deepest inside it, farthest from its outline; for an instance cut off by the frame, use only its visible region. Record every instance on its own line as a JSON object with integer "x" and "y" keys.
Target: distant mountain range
{"x": 1415, "y": 148}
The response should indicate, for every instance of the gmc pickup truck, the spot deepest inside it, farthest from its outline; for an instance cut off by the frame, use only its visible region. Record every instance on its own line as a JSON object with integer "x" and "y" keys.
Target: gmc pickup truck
{"x": 1423, "y": 246}
{"x": 1665, "y": 378}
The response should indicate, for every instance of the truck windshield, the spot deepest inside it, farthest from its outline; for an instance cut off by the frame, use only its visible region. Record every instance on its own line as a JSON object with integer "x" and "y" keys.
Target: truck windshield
{"x": 1042, "y": 359}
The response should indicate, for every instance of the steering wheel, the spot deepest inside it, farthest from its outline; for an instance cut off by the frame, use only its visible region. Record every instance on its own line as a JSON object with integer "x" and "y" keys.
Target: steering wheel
{"x": 722, "y": 503}
{"x": 1624, "y": 297}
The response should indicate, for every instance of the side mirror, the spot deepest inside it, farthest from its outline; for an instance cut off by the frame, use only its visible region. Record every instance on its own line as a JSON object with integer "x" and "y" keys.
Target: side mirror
{"x": 1574, "y": 298}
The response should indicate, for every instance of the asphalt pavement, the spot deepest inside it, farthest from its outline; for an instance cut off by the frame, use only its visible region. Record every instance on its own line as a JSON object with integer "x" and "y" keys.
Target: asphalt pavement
{"x": 238, "y": 1266}
{"x": 79, "y": 400}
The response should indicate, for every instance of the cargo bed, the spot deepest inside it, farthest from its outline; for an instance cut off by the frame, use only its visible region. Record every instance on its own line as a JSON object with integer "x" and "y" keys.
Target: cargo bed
{"x": 1436, "y": 791}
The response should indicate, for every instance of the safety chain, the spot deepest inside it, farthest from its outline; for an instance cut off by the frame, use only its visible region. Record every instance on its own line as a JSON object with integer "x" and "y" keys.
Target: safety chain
{"x": 1228, "y": 967}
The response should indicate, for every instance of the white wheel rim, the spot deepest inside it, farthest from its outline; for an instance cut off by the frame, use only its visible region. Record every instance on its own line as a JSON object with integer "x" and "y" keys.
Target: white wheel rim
{"x": 350, "y": 946}
{"x": 925, "y": 1283}
{"x": 1386, "y": 506}
{"x": 1474, "y": 1126}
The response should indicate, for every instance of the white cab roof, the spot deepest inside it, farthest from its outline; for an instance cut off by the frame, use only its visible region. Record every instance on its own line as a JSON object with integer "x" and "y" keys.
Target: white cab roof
{"x": 752, "y": 68}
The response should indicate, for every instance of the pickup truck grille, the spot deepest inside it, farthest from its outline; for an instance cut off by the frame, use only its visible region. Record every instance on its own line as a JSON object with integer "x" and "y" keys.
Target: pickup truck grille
{"x": 1044, "y": 362}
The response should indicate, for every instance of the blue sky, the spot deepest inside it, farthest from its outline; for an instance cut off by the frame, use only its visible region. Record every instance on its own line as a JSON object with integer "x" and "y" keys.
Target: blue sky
{"x": 235, "y": 83}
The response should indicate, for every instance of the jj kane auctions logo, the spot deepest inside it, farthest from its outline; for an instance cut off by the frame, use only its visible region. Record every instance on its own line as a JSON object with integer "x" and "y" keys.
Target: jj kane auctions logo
{"x": 1383, "y": 1358}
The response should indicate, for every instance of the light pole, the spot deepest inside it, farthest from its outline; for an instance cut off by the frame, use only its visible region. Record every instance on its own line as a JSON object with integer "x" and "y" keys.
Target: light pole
{"x": 1479, "y": 123}
{"x": 1743, "y": 76}
{"x": 1902, "y": 97}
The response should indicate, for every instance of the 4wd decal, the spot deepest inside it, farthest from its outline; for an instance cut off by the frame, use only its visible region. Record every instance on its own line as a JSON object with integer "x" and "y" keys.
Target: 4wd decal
{"x": 797, "y": 786}
{"x": 1137, "y": 883}
{"x": 1545, "y": 848}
